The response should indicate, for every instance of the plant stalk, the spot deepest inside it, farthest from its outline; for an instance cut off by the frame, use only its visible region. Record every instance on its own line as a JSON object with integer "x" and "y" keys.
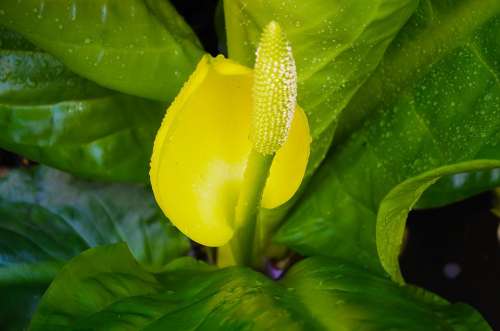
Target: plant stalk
{"x": 247, "y": 208}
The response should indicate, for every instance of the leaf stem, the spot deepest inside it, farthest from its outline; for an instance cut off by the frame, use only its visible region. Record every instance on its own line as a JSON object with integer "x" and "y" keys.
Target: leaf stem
{"x": 248, "y": 206}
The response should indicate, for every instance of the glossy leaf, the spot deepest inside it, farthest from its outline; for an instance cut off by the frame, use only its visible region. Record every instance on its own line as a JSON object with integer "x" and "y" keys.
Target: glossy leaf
{"x": 444, "y": 121}
{"x": 10, "y": 40}
{"x": 140, "y": 47}
{"x": 394, "y": 208}
{"x": 114, "y": 293}
{"x": 443, "y": 26}
{"x": 47, "y": 217}
{"x": 457, "y": 187}
{"x": 50, "y": 115}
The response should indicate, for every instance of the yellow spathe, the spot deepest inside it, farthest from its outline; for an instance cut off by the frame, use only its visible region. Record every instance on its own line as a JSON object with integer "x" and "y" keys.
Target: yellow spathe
{"x": 201, "y": 149}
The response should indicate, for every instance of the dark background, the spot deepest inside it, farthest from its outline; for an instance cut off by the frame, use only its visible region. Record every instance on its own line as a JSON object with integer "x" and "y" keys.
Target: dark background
{"x": 453, "y": 251}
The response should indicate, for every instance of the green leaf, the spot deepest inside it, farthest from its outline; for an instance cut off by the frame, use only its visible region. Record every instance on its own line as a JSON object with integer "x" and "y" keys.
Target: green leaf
{"x": 336, "y": 46}
{"x": 394, "y": 208}
{"x": 18, "y": 304}
{"x": 115, "y": 293}
{"x": 457, "y": 187}
{"x": 437, "y": 28}
{"x": 10, "y": 40}
{"x": 50, "y": 115}
{"x": 48, "y": 217}
{"x": 444, "y": 120}
{"x": 140, "y": 47}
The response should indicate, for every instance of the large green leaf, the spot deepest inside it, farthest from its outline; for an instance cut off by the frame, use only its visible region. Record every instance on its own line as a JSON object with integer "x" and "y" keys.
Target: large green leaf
{"x": 140, "y": 47}
{"x": 47, "y": 217}
{"x": 336, "y": 45}
{"x": 53, "y": 116}
{"x": 457, "y": 187}
{"x": 444, "y": 120}
{"x": 443, "y": 26}
{"x": 105, "y": 289}
{"x": 394, "y": 208}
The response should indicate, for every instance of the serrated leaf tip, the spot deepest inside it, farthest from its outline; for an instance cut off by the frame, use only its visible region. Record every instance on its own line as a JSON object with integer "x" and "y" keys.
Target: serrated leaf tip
{"x": 274, "y": 91}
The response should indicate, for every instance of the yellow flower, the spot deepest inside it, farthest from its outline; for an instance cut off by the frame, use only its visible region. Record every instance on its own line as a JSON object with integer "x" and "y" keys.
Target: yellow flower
{"x": 202, "y": 147}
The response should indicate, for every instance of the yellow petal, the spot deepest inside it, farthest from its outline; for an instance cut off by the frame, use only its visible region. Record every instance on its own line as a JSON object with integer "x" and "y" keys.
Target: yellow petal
{"x": 200, "y": 153}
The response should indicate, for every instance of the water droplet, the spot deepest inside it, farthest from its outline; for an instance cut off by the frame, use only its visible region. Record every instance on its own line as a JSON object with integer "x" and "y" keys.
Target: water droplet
{"x": 73, "y": 11}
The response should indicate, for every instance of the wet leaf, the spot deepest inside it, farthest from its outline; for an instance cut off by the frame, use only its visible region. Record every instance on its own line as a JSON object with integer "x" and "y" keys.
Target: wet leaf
{"x": 140, "y": 47}
{"x": 317, "y": 294}
{"x": 48, "y": 217}
{"x": 457, "y": 187}
{"x": 50, "y": 115}
{"x": 444, "y": 120}
{"x": 394, "y": 208}
{"x": 437, "y": 28}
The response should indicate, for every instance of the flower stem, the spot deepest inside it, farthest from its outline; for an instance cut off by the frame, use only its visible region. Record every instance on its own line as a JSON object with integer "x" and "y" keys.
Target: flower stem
{"x": 248, "y": 206}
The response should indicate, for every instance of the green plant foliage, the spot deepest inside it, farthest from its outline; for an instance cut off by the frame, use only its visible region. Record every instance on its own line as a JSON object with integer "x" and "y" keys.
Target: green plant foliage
{"x": 53, "y": 116}
{"x": 336, "y": 45}
{"x": 115, "y": 293}
{"x": 10, "y": 40}
{"x": 408, "y": 90}
{"x": 394, "y": 208}
{"x": 439, "y": 27}
{"x": 47, "y": 217}
{"x": 444, "y": 120}
{"x": 140, "y": 47}
{"x": 449, "y": 189}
